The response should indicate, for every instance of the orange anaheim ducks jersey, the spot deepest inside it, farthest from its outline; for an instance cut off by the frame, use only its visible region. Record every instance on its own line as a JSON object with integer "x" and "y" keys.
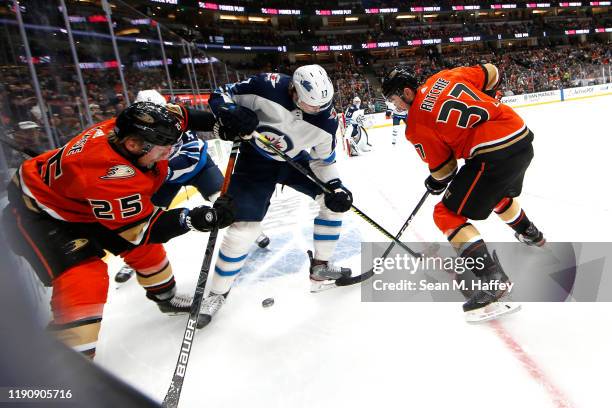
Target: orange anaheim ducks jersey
{"x": 87, "y": 181}
{"x": 452, "y": 118}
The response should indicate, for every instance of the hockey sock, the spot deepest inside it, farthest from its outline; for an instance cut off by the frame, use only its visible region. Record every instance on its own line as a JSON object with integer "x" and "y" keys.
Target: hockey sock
{"x": 233, "y": 254}
{"x": 160, "y": 284}
{"x": 227, "y": 269}
{"x": 77, "y": 302}
{"x": 327, "y": 227}
{"x": 470, "y": 246}
{"x": 510, "y": 211}
{"x": 81, "y": 335}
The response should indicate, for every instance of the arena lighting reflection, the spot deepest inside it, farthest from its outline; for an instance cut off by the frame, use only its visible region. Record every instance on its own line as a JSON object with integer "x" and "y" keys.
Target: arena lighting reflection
{"x": 318, "y": 47}
{"x": 374, "y": 10}
{"x": 278, "y": 48}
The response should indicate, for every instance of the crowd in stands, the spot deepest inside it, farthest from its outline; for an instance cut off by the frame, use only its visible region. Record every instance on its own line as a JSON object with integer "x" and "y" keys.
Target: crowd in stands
{"x": 349, "y": 81}
{"x": 523, "y": 71}
{"x": 62, "y": 96}
{"x": 397, "y": 31}
{"x": 528, "y": 70}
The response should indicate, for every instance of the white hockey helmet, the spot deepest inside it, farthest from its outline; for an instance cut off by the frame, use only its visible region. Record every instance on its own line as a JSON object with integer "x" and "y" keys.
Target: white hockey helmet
{"x": 356, "y": 100}
{"x": 150, "y": 95}
{"x": 313, "y": 87}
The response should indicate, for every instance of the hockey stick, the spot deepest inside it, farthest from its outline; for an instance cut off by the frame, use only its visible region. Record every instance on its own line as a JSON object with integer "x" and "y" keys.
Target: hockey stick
{"x": 323, "y": 187}
{"x": 408, "y": 221}
{"x": 13, "y": 145}
{"x": 367, "y": 135}
{"x": 368, "y": 274}
{"x": 174, "y": 391}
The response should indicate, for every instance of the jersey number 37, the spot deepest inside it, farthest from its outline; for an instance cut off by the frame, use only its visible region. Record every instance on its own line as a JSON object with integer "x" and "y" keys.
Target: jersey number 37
{"x": 469, "y": 115}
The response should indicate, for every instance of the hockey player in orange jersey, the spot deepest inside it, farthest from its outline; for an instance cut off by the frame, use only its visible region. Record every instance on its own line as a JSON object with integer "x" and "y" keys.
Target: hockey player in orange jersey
{"x": 70, "y": 204}
{"x": 454, "y": 115}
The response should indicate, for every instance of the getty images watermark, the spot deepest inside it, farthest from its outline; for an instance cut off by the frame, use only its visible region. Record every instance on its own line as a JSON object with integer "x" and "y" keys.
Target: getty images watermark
{"x": 411, "y": 265}
{"x": 557, "y": 272}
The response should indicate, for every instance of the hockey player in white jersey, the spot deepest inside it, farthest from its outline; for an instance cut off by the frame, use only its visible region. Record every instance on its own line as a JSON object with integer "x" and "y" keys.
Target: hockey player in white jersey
{"x": 296, "y": 114}
{"x": 189, "y": 164}
{"x": 398, "y": 116}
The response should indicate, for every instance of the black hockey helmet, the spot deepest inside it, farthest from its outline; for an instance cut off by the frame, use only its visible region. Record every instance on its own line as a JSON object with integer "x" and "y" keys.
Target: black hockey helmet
{"x": 154, "y": 123}
{"x": 397, "y": 79}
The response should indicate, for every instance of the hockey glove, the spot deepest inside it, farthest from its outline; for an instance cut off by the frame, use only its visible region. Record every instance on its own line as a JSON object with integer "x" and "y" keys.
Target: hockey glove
{"x": 434, "y": 186}
{"x": 236, "y": 121}
{"x": 204, "y": 218}
{"x": 339, "y": 199}
{"x": 224, "y": 205}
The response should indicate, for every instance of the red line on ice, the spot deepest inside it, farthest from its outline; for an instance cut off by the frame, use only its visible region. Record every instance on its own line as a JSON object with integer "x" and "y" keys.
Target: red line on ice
{"x": 559, "y": 399}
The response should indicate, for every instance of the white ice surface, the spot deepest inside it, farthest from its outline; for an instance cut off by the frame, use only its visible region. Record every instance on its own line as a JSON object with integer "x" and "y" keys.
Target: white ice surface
{"x": 332, "y": 350}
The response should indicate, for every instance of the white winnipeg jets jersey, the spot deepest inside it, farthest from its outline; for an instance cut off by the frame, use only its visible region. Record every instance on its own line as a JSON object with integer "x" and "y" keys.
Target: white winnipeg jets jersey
{"x": 294, "y": 132}
{"x": 396, "y": 112}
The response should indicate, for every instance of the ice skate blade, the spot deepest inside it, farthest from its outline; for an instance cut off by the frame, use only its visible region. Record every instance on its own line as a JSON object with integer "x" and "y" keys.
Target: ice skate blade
{"x": 322, "y": 285}
{"x": 174, "y": 312}
{"x": 491, "y": 311}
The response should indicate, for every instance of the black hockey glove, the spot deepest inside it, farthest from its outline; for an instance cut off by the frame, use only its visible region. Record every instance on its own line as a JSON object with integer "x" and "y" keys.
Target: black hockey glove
{"x": 224, "y": 205}
{"x": 236, "y": 121}
{"x": 339, "y": 199}
{"x": 434, "y": 186}
{"x": 204, "y": 218}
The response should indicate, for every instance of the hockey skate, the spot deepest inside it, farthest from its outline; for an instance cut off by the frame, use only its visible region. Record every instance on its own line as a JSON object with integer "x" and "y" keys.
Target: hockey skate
{"x": 532, "y": 236}
{"x": 124, "y": 274}
{"x": 210, "y": 307}
{"x": 487, "y": 303}
{"x": 262, "y": 241}
{"x": 323, "y": 276}
{"x": 177, "y": 304}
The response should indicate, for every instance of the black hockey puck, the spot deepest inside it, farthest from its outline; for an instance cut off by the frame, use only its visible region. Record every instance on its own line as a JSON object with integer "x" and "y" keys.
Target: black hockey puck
{"x": 264, "y": 242}
{"x": 267, "y": 302}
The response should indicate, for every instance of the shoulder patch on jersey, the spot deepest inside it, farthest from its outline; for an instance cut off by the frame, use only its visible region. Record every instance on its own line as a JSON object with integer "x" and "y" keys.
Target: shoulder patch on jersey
{"x": 120, "y": 171}
{"x": 273, "y": 78}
